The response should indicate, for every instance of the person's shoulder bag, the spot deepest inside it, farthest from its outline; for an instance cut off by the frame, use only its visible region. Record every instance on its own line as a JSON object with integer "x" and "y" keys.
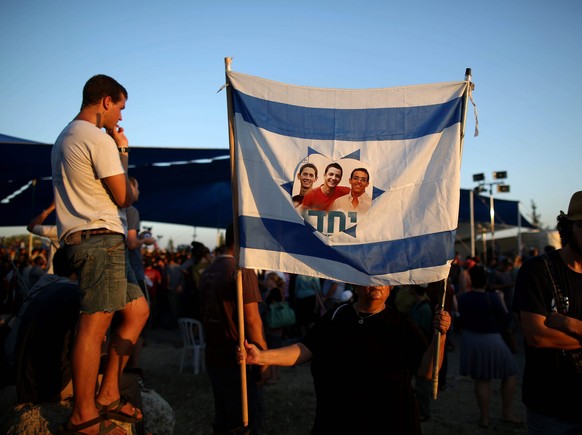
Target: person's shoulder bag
{"x": 280, "y": 314}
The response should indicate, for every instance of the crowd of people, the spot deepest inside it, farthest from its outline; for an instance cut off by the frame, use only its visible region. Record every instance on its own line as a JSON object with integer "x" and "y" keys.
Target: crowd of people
{"x": 374, "y": 343}
{"x": 479, "y": 298}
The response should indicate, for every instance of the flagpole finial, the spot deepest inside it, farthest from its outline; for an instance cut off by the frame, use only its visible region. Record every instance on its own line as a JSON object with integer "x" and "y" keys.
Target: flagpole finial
{"x": 227, "y": 62}
{"x": 468, "y": 74}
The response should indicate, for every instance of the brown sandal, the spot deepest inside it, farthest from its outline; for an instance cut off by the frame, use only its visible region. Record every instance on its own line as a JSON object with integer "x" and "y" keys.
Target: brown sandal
{"x": 69, "y": 428}
{"x": 113, "y": 411}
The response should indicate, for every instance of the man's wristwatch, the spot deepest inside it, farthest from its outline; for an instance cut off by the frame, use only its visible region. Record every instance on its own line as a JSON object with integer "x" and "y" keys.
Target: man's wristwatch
{"x": 123, "y": 149}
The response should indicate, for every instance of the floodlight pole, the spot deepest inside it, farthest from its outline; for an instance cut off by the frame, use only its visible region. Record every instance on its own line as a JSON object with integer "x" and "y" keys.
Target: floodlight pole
{"x": 481, "y": 187}
{"x": 518, "y": 230}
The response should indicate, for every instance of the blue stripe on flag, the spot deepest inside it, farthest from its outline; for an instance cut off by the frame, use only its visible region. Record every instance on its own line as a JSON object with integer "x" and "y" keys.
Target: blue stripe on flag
{"x": 347, "y": 124}
{"x": 377, "y": 258}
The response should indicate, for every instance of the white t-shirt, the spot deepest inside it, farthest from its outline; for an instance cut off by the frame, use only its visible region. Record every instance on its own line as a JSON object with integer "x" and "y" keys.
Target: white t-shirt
{"x": 82, "y": 156}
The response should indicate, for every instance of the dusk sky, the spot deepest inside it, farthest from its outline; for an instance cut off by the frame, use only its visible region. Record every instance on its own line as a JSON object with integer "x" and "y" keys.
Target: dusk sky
{"x": 170, "y": 57}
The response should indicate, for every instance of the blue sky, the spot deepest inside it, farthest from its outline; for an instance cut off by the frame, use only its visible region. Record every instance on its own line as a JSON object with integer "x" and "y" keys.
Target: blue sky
{"x": 524, "y": 56}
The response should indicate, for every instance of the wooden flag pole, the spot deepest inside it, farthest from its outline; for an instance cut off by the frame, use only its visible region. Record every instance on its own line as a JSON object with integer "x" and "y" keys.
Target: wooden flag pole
{"x": 241, "y": 341}
{"x": 437, "y": 334}
{"x": 239, "y": 290}
{"x": 470, "y": 86}
{"x": 437, "y": 348}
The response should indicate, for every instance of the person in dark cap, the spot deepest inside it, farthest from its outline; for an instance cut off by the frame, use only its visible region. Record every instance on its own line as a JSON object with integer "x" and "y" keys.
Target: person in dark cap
{"x": 548, "y": 301}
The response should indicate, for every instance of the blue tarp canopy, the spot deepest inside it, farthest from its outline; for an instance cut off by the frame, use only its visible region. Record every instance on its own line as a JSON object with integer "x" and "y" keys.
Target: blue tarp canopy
{"x": 187, "y": 186}
{"x": 507, "y": 212}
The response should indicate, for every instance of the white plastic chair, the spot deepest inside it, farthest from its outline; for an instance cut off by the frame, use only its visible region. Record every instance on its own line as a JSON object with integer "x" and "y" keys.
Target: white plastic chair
{"x": 193, "y": 338}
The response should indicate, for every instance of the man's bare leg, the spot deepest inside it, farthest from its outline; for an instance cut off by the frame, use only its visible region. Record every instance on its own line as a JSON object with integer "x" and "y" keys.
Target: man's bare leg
{"x": 133, "y": 319}
{"x": 86, "y": 356}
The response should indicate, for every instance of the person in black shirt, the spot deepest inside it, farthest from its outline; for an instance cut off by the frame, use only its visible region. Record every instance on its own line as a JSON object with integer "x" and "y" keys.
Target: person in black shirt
{"x": 363, "y": 354}
{"x": 552, "y": 327}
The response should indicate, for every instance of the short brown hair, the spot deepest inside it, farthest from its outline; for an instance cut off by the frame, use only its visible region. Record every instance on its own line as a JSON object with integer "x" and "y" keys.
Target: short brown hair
{"x": 101, "y": 86}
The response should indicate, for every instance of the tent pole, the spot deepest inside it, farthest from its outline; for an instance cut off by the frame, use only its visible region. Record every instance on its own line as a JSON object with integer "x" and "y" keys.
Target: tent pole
{"x": 492, "y": 215}
{"x": 239, "y": 293}
{"x": 33, "y": 181}
{"x": 518, "y": 230}
{"x": 472, "y": 211}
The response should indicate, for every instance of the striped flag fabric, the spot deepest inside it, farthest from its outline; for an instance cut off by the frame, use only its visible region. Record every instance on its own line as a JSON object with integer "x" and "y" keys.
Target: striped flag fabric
{"x": 402, "y": 146}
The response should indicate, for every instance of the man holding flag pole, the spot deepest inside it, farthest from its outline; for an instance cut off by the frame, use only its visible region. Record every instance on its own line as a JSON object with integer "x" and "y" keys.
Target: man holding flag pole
{"x": 229, "y": 298}
{"x": 222, "y": 315}
{"x": 409, "y": 139}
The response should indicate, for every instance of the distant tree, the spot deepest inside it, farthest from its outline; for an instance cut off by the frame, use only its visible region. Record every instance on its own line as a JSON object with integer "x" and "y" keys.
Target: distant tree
{"x": 535, "y": 217}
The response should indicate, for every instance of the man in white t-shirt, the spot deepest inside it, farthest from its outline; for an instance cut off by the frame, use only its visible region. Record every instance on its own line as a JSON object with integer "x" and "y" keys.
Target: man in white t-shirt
{"x": 91, "y": 189}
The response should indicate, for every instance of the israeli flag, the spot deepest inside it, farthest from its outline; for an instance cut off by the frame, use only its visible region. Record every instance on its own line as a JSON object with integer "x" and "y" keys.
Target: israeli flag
{"x": 356, "y": 185}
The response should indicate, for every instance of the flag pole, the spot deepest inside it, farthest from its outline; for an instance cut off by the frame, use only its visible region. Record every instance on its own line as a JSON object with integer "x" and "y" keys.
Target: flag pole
{"x": 437, "y": 334}
{"x": 470, "y": 87}
{"x": 437, "y": 346}
{"x": 239, "y": 293}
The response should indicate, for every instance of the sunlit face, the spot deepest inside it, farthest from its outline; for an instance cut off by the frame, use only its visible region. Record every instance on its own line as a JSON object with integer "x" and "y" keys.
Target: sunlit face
{"x": 113, "y": 114}
{"x": 333, "y": 177}
{"x": 307, "y": 177}
{"x": 359, "y": 181}
{"x": 380, "y": 292}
